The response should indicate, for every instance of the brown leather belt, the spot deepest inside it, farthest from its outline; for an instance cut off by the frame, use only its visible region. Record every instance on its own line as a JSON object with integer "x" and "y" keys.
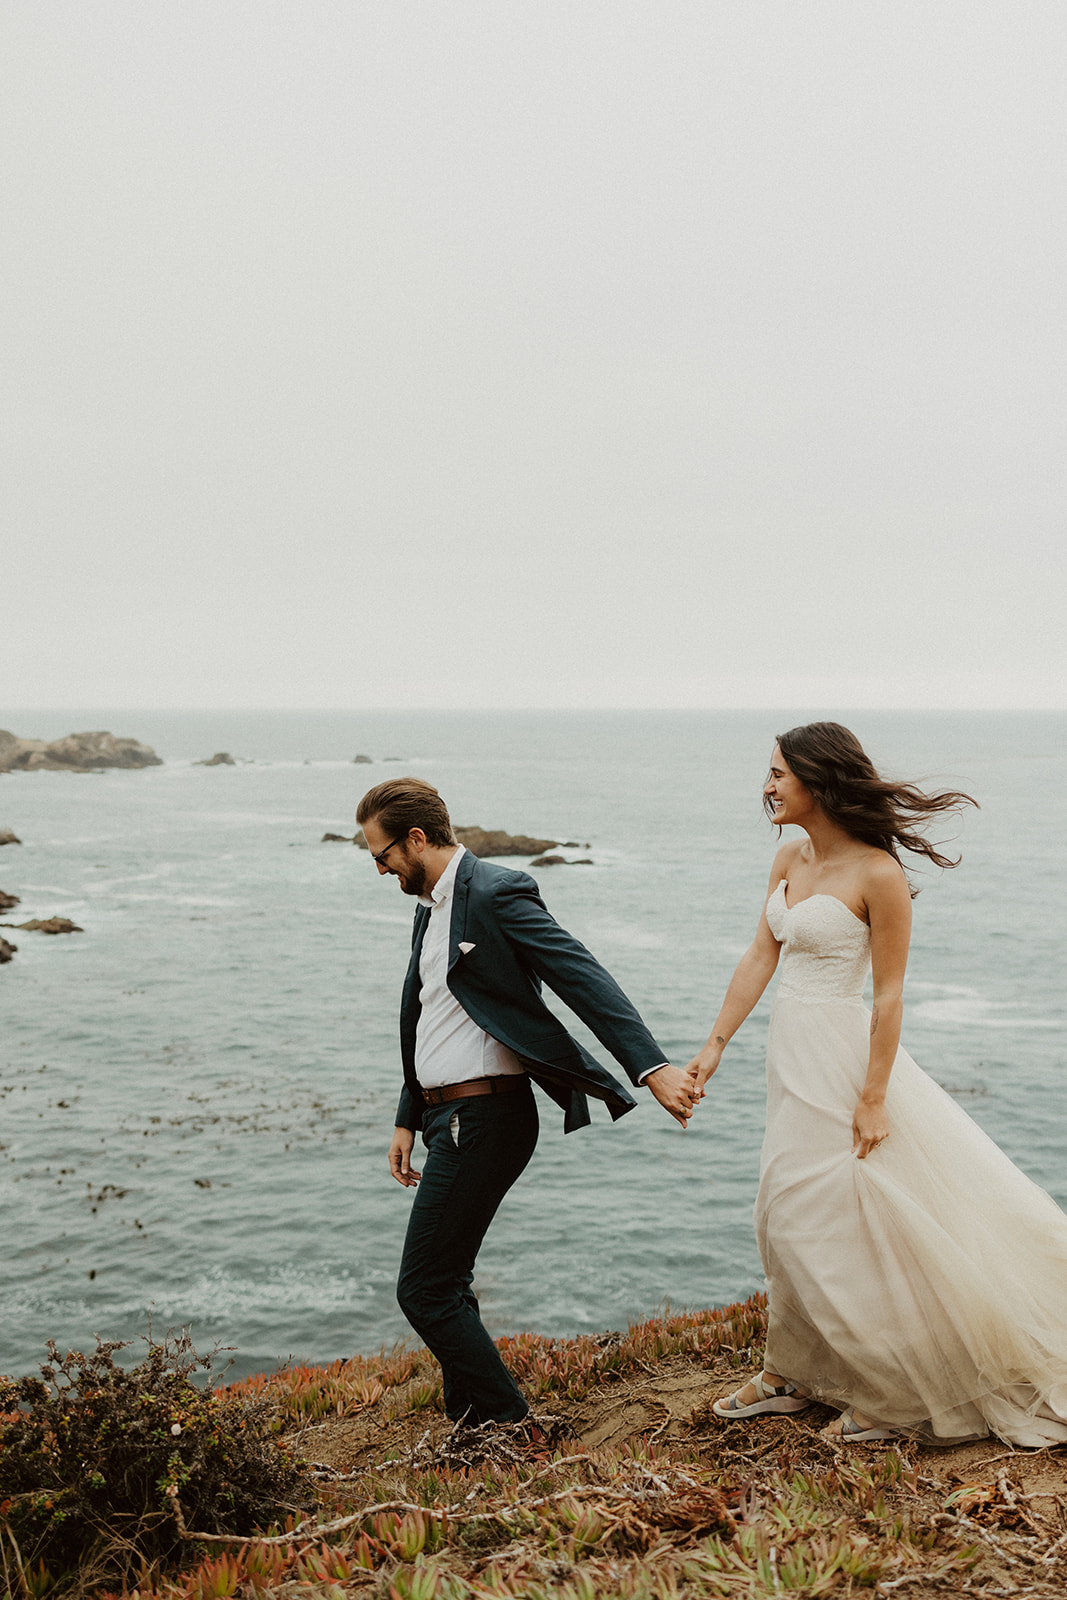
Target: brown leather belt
{"x": 498, "y": 1084}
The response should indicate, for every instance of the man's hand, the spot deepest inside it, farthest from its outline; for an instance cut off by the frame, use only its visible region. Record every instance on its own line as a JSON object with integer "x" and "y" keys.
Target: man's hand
{"x": 400, "y": 1158}
{"x": 674, "y": 1090}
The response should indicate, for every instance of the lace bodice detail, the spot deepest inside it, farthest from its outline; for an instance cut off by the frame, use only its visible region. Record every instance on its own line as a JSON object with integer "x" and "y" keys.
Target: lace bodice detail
{"x": 826, "y": 948}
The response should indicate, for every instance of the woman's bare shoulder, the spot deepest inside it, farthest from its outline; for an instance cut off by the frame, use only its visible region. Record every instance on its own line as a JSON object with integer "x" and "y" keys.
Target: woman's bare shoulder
{"x": 786, "y": 860}
{"x": 882, "y": 877}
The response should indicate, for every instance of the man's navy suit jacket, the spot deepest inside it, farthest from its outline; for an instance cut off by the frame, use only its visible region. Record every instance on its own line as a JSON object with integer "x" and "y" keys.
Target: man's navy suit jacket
{"x": 517, "y": 944}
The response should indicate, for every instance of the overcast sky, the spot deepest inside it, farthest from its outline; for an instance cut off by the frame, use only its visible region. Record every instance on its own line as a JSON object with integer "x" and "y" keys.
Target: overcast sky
{"x": 533, "y": 353}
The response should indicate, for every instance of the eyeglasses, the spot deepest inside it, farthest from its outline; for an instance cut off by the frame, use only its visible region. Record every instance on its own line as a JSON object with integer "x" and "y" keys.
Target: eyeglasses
{"x": 379, "y": 859}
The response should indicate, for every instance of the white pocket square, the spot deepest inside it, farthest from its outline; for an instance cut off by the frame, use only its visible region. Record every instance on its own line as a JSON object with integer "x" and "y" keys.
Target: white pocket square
{"x": 465, "y": 948}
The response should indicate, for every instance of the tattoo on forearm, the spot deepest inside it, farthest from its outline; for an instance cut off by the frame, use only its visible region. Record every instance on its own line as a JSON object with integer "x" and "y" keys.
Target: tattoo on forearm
{"x": 720, "y": 1040}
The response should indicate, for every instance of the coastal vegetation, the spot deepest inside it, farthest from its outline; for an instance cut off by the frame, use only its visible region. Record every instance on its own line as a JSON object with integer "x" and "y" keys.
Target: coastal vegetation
{"x": 348, "y": 1480}
{"x": 98, "y": 1463}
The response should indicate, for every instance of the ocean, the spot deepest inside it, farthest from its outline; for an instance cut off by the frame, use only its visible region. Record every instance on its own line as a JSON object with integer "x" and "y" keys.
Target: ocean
{"x": 197, "y": 1093}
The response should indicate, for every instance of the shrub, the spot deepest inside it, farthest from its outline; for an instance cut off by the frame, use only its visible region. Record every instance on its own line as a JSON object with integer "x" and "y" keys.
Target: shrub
{"x": 93, "y": 1456}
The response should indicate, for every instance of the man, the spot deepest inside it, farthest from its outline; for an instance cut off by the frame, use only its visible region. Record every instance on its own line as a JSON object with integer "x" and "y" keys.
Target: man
{"x": 474, "y": 1031}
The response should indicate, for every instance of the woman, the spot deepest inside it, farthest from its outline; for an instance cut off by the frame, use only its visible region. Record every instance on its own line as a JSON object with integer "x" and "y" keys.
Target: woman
{"x": 917, "y": 1280}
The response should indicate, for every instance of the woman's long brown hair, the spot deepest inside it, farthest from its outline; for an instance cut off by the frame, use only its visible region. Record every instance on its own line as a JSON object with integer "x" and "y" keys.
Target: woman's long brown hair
{"x": 836, "y": 770}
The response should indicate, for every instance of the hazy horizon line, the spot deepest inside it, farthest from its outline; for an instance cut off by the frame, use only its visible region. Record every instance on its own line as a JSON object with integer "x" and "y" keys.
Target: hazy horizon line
{"x": 557, "y": 710}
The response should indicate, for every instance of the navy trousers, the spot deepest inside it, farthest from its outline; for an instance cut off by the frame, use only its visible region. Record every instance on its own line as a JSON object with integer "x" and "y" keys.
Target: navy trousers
{"x": 464, "y": 1179}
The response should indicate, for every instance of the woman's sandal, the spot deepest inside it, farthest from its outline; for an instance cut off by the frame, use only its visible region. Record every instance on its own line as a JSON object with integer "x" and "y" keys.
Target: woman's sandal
{"x": 853, "y": 1433}
{"x": 769, "y": 1401}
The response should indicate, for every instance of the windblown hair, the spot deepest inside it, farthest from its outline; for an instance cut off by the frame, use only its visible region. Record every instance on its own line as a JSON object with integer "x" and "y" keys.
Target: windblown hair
{"x": 400, "y": 804}
{"x": 834, "y": 767}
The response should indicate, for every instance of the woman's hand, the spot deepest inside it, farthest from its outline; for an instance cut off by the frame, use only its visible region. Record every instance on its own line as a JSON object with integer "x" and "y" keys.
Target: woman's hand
{"x": 870, "y": 1126}
{"x": 703, "y": 1065}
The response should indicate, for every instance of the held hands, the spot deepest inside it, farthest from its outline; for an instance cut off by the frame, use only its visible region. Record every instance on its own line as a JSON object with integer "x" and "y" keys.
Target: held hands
{"x": 870, "y": 1126}
{"x": 673, "y": 1088}
{"x": 702, "y": 1066}
{"x": 400, "y": 1158}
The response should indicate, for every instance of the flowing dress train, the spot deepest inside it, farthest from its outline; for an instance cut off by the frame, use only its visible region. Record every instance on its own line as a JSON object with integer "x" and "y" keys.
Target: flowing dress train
{"x": 927, "y": 1284}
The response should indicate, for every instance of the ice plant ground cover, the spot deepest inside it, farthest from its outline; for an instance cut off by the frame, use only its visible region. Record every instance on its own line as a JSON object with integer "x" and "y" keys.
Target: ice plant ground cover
{"x": 633, "y": 1491}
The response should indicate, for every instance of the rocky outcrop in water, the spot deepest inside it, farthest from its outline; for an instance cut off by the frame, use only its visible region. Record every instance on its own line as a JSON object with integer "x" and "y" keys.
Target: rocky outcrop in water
{"x": 6, "y": 951}
{"x": 7, "y": 837}
{"x": 484, "y": 842}
{"x": 363, "y": 761}
{"x": 8, "y": 901}
{"x": 337, "y": 838}
{"x": 560, "y": 861}
{"x": 221, "y": 758}
{"x": 48, "y": 925}
{"x": 77, "y": 752}
{"x": 493, "y": 842}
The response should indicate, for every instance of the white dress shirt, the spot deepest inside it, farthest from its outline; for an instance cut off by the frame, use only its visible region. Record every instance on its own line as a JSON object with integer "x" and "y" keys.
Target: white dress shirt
{"x": 449, "y": 1046}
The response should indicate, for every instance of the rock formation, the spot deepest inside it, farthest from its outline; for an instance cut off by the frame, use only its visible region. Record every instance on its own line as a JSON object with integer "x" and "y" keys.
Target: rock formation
{"x": 484, "y": 842}
{"x": 560, "y": 861}
{"x": 77, "y": 752}
{"x": 50, "y": 925}
{"x": 221, "y": 758}
{"x": 6, "y": 951}
{"x": 7, "y": 901}
{"x": 492, "y": 842}
{"x": 7, "y": 837}
{"x": 363, "y": 761}
{"x": 339, "y": 838}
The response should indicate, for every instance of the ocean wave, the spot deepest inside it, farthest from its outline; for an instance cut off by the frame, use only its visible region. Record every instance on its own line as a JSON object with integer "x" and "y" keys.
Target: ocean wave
{"x": 220, "y": 1293}
{"x": 968, "y": 1008}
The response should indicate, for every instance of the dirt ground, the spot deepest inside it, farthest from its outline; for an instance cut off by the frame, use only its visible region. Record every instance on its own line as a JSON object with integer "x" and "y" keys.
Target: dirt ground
{"x": 671, "y": 1404}
{"x": 1009, "y": 1507}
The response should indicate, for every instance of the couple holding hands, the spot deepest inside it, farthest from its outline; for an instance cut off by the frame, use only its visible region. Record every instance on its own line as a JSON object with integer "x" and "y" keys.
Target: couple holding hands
{"x": 916, "y": 1278}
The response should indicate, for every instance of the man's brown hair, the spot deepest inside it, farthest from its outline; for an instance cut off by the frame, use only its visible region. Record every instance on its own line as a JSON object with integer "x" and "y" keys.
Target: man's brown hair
{"x": 400, "y": 804}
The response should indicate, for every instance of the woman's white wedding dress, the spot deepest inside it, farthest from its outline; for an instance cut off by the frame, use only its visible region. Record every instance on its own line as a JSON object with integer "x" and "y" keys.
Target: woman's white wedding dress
{"x": 927, "y": 1284}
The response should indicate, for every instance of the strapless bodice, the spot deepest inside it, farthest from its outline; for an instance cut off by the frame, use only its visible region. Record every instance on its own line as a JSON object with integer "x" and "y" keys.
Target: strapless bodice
{"x": 826, "y": 949}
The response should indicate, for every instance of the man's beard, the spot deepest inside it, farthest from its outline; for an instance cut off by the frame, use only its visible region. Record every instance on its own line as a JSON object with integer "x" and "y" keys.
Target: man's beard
{"x": 414, "y": 880}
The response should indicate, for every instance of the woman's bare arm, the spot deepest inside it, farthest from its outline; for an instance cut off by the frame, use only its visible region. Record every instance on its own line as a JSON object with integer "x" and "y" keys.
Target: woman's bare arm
{"x": 888, "y": 903}
{"x": 751, "y": 976}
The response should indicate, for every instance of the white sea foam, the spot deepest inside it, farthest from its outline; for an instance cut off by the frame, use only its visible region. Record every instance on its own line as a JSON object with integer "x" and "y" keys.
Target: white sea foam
{"x": 220, "y": 1293}
{"x": 967, "y": 1008}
